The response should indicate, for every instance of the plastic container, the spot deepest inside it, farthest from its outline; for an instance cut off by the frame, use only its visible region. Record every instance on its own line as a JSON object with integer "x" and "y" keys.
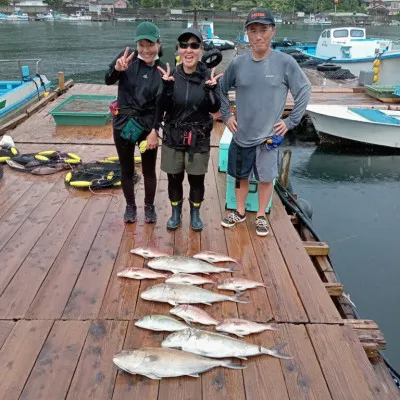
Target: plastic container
{"x": 223, "y": 150}
{"x": 83, "y": 110}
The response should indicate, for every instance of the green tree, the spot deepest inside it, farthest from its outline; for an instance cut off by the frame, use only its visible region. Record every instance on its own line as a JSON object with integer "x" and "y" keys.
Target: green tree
{"x": 4, "y": 3}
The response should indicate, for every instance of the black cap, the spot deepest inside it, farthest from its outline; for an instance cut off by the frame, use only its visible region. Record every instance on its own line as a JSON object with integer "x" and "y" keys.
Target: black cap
{"x": 261, "y": 16}
{"x": 191, "y": 32}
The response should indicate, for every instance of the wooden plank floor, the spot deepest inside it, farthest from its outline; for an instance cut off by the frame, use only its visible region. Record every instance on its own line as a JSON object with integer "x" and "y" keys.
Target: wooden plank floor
{"x": 64, "y": 313}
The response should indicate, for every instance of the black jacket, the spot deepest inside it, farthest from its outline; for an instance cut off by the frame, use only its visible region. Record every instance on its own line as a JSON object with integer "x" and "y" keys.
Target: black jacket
{"x": 138, "y": 88}
{"x": 187, "y": 104}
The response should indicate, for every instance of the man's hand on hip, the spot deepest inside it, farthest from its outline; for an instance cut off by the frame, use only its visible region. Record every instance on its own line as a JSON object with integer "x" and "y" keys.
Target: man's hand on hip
{"x": 232, "y": 124}
{"x": 280, "y": 128}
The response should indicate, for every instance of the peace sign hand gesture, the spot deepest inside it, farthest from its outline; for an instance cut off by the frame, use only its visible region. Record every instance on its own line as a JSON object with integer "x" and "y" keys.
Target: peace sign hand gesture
{"x": 123, "y": 62}
{"x": 213, "y": 79}
{"x": 166, "y": 75}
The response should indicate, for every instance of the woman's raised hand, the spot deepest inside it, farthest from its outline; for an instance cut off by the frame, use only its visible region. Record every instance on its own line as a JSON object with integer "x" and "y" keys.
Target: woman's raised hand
{"x": 123, "y": 62}
{"x": 166, "y": 75}
{"x": 213, "y": 79}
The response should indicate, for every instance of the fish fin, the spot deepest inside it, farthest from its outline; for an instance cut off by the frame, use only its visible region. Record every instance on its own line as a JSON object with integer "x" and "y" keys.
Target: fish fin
{"x": 172, "y": 303}
{"x": 231, "y": 268}
{"x": 207, "y": 304}
{"x": 151, "y": 376}
{"x": 236, "y": 300}
{"x": 194, "y": 375}
{"x": 239, "y": 293}
{"x": 232, "y": 365}
{"x": 242, "y": 358}
{"x": 275, "y": 352}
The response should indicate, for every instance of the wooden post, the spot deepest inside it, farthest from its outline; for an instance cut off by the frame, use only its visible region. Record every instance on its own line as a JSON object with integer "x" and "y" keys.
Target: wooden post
{"x": 61, "y": 82}
{"x": 285, "y": 167}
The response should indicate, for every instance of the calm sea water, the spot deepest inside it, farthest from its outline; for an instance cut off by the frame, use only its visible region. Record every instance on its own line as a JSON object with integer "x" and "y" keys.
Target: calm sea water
{"x": 355, "y": 197}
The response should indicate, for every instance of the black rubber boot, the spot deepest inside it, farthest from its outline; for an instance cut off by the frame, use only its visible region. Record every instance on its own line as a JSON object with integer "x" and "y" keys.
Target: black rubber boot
{"x": 175, "y": 220}
{"x": 195, "y": 221}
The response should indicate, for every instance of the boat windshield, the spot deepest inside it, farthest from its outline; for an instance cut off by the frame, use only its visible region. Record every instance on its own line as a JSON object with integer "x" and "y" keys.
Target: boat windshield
{"x": 357, "y": 33}
{"x": 340, "y": 33}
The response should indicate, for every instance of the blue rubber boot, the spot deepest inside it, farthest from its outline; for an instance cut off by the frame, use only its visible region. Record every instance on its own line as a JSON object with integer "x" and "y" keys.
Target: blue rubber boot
{"x": 175, "y": 220}
{"x": 195, "y": 222}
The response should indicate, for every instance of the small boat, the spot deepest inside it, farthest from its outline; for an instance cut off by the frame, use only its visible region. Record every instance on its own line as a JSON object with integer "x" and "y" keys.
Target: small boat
{"x": 18, "y": 15}
{"x": 206, "y": 27}
{"x": 15, "y": 94}
{"x": 349, "y": 47}
{"x": 358, "y": 124}
{"x": 315, "y": 20}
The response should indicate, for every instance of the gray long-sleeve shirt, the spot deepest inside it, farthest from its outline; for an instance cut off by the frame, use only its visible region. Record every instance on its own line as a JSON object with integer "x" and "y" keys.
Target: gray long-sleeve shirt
{"x": 261, "y": 93}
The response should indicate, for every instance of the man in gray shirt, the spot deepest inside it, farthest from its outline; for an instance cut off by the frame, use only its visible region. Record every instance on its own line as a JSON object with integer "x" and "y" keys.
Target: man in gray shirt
{"x": 262, "y": 79}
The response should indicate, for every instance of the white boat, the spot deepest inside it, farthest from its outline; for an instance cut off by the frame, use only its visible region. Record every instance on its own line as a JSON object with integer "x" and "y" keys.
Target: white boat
{"x": 210, "y": 39}
{"x": 350, "y": 48}
{"x": 313, "y": 20}
{"x": 359, "y": 124}
{"x": 77, "y": 17}
{"x": 15, "y": 94}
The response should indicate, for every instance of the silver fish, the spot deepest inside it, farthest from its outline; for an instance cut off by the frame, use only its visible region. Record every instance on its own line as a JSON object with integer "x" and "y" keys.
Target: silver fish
{"x": 188, "y": 265}
{"x": 239, "y": 284}
{"x": 188, "y": 279}
{"x": 160, "y": 323}
{"x": 213, "y": 257}
{"x": 242, "y": 327}
{"x": 210, "y": 344}
{"x": 147, "y": 252}
{"x": 140, "y": 273}
{"x": 157, "y": 363}
{"x": 174, "y": 294}
{"x": 193, "y": 314}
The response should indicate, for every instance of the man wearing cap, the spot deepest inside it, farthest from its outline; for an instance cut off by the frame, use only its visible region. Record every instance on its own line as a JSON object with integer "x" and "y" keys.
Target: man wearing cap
{"x": 139, "y": 83}
{"x": 262, "y": 79}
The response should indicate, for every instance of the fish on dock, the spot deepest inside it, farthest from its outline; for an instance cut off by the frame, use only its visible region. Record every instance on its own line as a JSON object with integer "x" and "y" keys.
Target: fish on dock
{"x": 160, "y": 323}
{"x": 215, "y": 345}
{"x": 147, "y": 252}
{"x": 189, "y": 265}
{"x": 242, "y": 327}
{"x": 193, "y": 314}
{"x": 174, "y": 294}
{"x": 239, "y": 284}
{"x": 213, "y": 257}
{"x": 158, "y": 363}
{"x": 141, "y": 273}
{"x": 188, "y": 279}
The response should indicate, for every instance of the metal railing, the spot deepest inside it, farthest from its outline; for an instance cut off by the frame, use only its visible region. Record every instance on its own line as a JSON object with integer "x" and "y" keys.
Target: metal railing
{"x": 24, "y": 60}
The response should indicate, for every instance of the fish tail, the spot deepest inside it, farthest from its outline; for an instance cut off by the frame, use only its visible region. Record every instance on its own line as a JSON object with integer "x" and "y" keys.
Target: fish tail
{"x": 236, "y": 300}
{"x": 232, "y": 365}
{"x": 275, "y": 352}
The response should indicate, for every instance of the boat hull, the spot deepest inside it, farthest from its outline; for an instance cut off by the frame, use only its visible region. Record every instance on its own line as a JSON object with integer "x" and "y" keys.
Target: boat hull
{"x": 13, "y": 99}
{"x": 353, "y": 128}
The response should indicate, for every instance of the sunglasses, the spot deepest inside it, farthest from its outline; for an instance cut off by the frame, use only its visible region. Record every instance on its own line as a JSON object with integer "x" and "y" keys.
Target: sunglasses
{"x": 192, "y": 45}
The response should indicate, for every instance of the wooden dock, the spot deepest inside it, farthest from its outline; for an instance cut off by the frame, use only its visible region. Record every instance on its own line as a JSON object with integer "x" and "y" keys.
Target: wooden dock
{"x": 64, "y": 313}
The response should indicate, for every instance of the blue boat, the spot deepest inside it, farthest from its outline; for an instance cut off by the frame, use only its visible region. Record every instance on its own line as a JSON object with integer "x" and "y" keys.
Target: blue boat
{"x": 15, "y": 94}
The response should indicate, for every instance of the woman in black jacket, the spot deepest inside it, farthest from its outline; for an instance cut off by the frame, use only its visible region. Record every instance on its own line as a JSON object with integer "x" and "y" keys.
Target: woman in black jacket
{"x": 188, "y": 97}
{"x": 139, "y": 83}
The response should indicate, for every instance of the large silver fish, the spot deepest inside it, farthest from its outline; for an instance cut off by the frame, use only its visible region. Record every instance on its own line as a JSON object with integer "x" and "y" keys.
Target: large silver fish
{"x": 157, "y": 363}
{"x": 187, "y": 265}
{"x": 210, "y": 344}
{"x": 174, "y": 294}
{"x": 148, "y": 252}
{"x": 211, "y": 256}
{"x": 193, "y": 314}
{"x": 242, "y": 327}
{"x": 160, "y": 323}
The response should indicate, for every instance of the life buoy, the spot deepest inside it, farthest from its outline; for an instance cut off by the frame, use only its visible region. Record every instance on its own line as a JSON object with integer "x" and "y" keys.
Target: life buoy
{"x": 324, "y": 67}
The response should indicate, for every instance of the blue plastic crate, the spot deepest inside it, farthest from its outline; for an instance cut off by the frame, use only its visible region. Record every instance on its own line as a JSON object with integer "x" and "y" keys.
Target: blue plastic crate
{"x": 251, "y": 199}
{"x": 223, "y": 150}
